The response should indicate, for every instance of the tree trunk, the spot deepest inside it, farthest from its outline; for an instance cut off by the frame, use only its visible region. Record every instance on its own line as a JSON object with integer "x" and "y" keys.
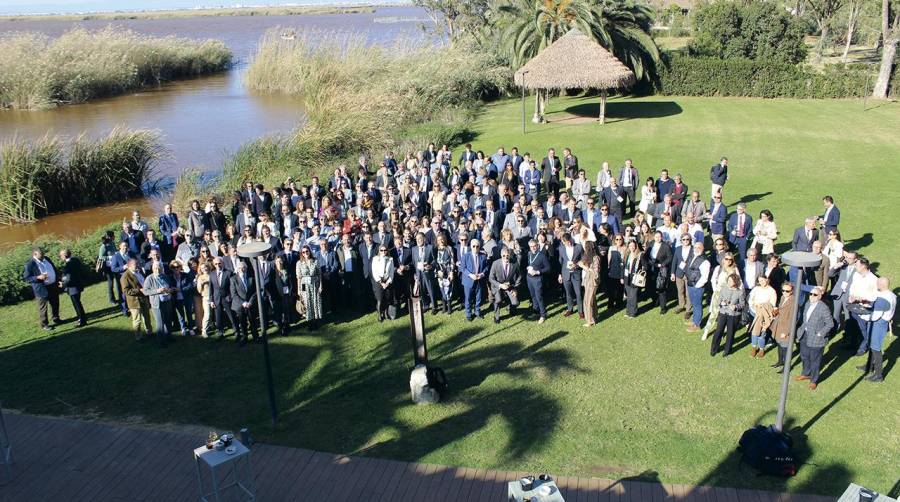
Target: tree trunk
{"x": 851, "y": 27}
{"x": 823, "y": 35}
{"x": 536, "y": 118}
{"x": 603, "y": 106}
{"x": 880, "y": 91}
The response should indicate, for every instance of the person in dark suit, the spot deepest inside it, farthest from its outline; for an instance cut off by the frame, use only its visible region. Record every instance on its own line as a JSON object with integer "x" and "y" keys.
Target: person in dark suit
{"x": 132, "y": 237}
{"x": 658, "y": 256}
{"x": 402, "y": 256}
{"x": 536, "y": 267}
{"x": 775, "y": 273}
{"x": 367, "y": 250}
{"x": 816, "y": 323}
{"x": 473, "y": 269}
{"x": 468, "y": 155}
{"x": 832, "y": 216}
{"x": 551, "y": 167}
{"x": 423, "y": 265}
{"x": 285, "y": 293}
{"x": 718, "y": 175}
{"x": 718, "y": 214}
{"x": 41, "y": 274}
{"x": 70, "y": 282}
{"x": 328, "y": 266}
{"x": 739, "y": 228}
{"x": 262, "y": 203}
{"x": 629, "y": 181}
{"x": 613, "y": 198}
{"x": 607, "y": 218}
{"x": 243, "y": 304}
{"x": 804, "y": 236}
{"x": 168, "y": 225}
{"x": 349, "y": 271}
{"x": 664, "y": 186}
{"x": 117, "y": 264}
{"x": 220, "y": 295}
{"x": 505, "y": 280}
{"x": 570, "y": 274}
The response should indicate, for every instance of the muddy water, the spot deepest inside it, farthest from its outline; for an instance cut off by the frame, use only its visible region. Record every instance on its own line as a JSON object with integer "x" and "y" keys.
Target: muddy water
{"x": 201, "y": 120}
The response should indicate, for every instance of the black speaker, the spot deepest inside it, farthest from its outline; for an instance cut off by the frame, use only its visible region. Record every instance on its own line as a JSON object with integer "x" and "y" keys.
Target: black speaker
{"x": 768, "y": 450}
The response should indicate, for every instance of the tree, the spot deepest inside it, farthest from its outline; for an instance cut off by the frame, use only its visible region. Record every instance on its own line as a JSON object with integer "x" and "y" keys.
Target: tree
{"x": 823, "y": 11}
{"x": 890, "y": 37}
{"x": 855, "y": 9}
{"x": 455, "y": 17}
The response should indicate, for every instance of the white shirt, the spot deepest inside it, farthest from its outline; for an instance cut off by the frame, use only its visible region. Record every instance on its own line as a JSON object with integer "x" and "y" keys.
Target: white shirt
{"x": 886, "y": 315}
{"x": 704, "y": 274}
{"x": 809, "y": 311}
{"x": 864, "y": 286}
{"x": 626, "y": 177}
{"x": 750, "y": 275}
{"x": 762, "y": 294}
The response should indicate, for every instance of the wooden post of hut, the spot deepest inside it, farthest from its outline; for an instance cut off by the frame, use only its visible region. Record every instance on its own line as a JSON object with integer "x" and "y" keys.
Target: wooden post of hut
{"x": 574, "y": 61}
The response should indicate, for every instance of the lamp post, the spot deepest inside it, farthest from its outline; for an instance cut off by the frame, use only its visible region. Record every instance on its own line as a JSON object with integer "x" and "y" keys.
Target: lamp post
{"x": 252, "y": 251}
{"x": 801, "y": 260}
{"x": 523, "y": 100}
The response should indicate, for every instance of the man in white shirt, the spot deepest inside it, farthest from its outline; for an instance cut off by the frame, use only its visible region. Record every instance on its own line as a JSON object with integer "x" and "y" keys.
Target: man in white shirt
{"x": 697, "y": 275}
{"x": 628, "y": 180}
{"x": 41, "y": 274}
{"x": 863, "y": 291}
{"x": 882, "y": 313}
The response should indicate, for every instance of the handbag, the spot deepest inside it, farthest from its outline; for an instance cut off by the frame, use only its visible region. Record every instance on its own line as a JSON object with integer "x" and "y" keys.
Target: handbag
{"x": 99, "y": 265}
{"x": 301, "y": 304}
{"x": 639, "y": 280}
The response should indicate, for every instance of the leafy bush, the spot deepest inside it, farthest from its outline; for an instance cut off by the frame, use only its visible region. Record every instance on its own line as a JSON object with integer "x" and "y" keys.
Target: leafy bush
{"x": 756, "y": 30}
{"x": 79, "y": 65}
{"x": 709, "y": 76}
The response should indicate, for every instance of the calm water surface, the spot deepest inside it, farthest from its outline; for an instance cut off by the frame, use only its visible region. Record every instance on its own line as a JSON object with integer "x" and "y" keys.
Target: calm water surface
{"x": 200, "y": 120}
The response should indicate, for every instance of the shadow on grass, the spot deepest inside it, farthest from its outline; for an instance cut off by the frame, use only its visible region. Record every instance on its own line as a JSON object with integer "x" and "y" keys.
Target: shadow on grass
{"x": 620, "y": 110}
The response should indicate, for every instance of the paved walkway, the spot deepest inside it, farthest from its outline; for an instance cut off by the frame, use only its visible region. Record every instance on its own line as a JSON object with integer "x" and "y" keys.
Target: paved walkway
{"x": 69, "y": 460}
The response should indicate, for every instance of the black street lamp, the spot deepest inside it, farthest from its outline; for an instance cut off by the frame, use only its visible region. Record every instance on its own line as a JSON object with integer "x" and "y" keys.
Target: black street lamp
{"x": 252, "y": 251}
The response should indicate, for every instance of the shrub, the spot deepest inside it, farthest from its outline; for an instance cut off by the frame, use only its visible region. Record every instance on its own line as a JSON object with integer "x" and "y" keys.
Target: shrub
{"x": 708, "y": 76}
{"x": 79, "y": 65}
{"x": 48, "y": 176}
{"x": 757, "y": 30}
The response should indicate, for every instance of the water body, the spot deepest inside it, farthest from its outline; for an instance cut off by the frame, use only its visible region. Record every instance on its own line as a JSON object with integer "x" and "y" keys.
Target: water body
{"x": 201, "y": 120}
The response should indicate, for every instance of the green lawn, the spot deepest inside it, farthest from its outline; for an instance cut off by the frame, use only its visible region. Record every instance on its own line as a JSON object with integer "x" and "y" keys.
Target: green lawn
{"x": 636, "y": 398}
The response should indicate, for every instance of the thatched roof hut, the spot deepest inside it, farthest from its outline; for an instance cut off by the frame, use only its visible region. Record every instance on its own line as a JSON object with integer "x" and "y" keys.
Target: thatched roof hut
{"x": 575, "y": 61}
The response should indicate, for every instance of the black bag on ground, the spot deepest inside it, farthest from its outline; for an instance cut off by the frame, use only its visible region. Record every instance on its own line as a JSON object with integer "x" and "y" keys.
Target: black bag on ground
{"x": 437, "y": 380}
{"x": 768, "y": 450}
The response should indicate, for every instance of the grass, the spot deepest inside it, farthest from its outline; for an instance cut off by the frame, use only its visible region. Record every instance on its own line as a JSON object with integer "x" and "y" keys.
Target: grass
{"x": 637, "y": 398}
{"x": 182, "y": 13}
{"x": 39, "y": 72}
{"x": 50, "y": 175}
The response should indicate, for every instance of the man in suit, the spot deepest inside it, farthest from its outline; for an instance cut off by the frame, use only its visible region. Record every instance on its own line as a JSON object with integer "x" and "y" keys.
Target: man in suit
{"x": 718, "y": 175}
{"x": 367, "y": 250}
{"x": 263, "y": 200}
{"x": 151, "y": 243}
{"x": 717, "y": 216}
{"x": 659, "y": 209}
{"x": 831, "y": 218}
{"x": 422, "y": 256}
{"x": 243, "y": 304}
{"x": 696, "y": 276}
{"x": 664, "y": 186}
{"x": 551, "y": 167}
{"x": 70, "y": 282}
{"x": 532, "y": 181}
{"x": 739, "y": 228}
{"x": 118, "y": 264}
{"x": 286, "y": 221}
{"x": 504, "y": 279}
{"x": 659, "y": 259}
{"x": 694, "y": 209}
{"x": 570, "y": 274}
{"x": 803, "y": 241}
{"x": 812, "y": 336}
{"x": 613, "y": 197}
{"x": 629, "y": 180}
{"x": 468, "y": 155}
{"x": 752, "y": 269}
{"x": 168, "y": 225}
{"x": 220, "y": 294}
{"x": 41, "y": 274}
{"x": 328, "y": 265}
{"x": 536, "y": 266}
{"x": 402, "y": 256}
{"x": 590, "y": 216}
{"x": 473, "y": 269}
{"x": 349, "y": 270}
{"x": 493, "y": 219}
{"x": 132, "y": 237}
{"x": 137, "y": 302}
{"x": 609, "y": 219}
{"x": 516, "y": 159}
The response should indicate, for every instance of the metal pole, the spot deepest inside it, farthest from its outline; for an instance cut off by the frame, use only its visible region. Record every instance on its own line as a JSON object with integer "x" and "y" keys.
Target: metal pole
{"x": 786, "y": 373}
{"x": 523, "y": 101}
{"x": 265, "y": 342}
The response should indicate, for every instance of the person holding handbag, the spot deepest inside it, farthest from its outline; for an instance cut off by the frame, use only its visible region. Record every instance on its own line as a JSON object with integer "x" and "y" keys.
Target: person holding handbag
{"x": 382, "y": 277}
{"x": 634, "y": 277}
{"x": 730, "y": 305}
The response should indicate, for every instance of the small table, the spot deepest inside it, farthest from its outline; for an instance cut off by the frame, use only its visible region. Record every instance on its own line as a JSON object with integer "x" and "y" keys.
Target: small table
{"x": 241, "y": 470}
{"x": 516, "y": 494}
{"x": 851, "y": 494}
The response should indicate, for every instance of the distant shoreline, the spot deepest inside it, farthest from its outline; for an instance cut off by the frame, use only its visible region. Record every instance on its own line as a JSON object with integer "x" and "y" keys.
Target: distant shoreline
{"x": 214, "y": 12}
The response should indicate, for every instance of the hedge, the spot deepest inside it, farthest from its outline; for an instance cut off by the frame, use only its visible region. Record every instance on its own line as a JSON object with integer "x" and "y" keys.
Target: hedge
{"x": 14, "y": 289}
{"x": 709, "y": 76}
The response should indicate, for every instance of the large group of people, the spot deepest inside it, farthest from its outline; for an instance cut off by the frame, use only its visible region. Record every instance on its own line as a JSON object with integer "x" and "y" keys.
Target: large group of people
{"x": 480, "y": 233}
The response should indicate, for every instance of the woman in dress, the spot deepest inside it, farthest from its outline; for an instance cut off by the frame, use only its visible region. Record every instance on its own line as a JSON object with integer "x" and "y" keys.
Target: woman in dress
{"x": 730, "y": 304}
{"x": 834, "y": 250}
{"x": 719, "y": 281}
{"x": 444, "y": 271}
{"x": 309, "y": 287}
{"x": 590, "y": 279}
{"x": 204, "y": 291}
{"x": 509, "y": 177}
{"x": 615, "y": 271}
{"x": 648, "y": 195}
{"x": 634, "y": 265}
{"x": 762, "y": 301}
{"x": 765, "y": 232}
{"x": 382, "y": 278}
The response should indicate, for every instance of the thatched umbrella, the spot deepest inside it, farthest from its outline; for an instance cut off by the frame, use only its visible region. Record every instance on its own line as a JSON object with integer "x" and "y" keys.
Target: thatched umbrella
{"x": 574, "y": 61}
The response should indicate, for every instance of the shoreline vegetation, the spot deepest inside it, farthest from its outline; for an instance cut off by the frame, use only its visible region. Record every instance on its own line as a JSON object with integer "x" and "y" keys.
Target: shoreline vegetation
{"x": 38, "y": 72}
{"x": 201, "y": 12}
{"x": 50, "y": 175}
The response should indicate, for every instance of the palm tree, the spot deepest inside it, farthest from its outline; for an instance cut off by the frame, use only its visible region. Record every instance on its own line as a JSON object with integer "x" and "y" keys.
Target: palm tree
{"x": 525, "y": 27}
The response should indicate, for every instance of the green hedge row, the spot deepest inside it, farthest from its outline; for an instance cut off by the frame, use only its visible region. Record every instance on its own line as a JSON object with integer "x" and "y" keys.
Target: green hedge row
{"x": 14, "y": 289}
{"x": 709, "y": 76}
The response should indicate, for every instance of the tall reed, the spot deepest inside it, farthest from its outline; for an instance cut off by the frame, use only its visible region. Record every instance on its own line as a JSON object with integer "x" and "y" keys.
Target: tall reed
{"x": 39, "y": 72}
{"x": 50, "y": 176}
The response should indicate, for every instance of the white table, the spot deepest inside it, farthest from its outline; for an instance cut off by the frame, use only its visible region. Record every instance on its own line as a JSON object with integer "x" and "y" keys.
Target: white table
{"x": 516, "y": 494}
{"x": 851, "y": 494}
{"x": 241, "y": 471}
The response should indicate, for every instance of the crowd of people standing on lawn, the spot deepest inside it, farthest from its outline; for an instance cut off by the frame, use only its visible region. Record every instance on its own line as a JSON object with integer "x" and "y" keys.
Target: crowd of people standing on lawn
{"x": 481, "y": 232}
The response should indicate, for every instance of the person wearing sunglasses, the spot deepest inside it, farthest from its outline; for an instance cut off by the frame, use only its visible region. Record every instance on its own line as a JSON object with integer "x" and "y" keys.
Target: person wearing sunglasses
{"x": 682, "y": 256}
{"x": 382, "y": 277}
{"x": 474, "y": 269}
{"x": 816, "y": 324}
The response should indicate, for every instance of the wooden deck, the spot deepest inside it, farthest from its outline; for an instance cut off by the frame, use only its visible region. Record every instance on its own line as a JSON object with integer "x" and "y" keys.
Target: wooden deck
{"x": 69, "y": 460}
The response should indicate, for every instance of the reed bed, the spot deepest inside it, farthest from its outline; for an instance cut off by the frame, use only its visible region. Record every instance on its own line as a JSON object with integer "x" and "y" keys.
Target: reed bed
{"x": 39, "y": 72}
{"x": 50, "y": 175}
